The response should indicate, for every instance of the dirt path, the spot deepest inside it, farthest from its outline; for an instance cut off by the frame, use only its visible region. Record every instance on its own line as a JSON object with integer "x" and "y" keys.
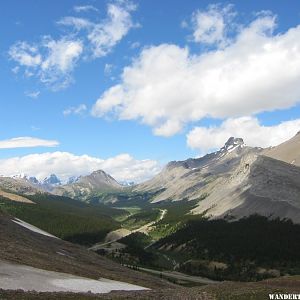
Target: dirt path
{"x": 178, "y": 276}
{"x": 120, "y": 233}
{"x": 147, "y": 227}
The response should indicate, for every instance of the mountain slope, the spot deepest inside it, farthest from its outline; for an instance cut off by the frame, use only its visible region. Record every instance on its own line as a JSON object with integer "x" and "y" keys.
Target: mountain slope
{"x": 259, "y": 185}
{"x": 19, "y": 186}
{"x": 194, "y": 178}
{"x": 235, "y": 181}
{"x": 288, "y": 151}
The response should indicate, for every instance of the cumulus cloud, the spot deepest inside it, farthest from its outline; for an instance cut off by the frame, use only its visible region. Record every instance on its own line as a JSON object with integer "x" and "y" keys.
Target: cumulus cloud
{"x": 103, "y": 36}
{"x": 53, "y": 60}
{"x": 64, "y": 164}
{"x": 27, "y": 142}
{"x": 167, "y": 87}
{"x": 76, "y": 110}
{"x": 211, "y": 26}
{"x": 25, "y": 54}
{"x": 61, "y": 58}
{"x": 249, "y": 128}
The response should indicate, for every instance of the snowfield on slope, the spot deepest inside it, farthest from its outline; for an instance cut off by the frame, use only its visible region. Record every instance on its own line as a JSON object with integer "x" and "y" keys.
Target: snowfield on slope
{"x": 33, "y": 228}
{"x": 14, "y": 277}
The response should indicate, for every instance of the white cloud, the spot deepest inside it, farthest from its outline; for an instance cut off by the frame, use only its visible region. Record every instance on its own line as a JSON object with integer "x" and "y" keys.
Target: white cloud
{"x": 25, "y": 54}
{"x": 26, "y": 142}
{"x": 60, "y": 61}
{"x": 104, "y": 36}
{"x": 135, "y": 45}
{"x": 211, "y": 26}
{"x": 167, "y": 87}
{"x": 122, "y": 167}
{"x": 84, "y": 8}
{"x": 53, "y": 60}
{"x": 15, "y": 70}
{"x": 108, "y": 69}
{"x": 76, "y": 110}
{"x": 76, "y": 23}
{"x": 254, "y": 134}
{"x": 34, "y": 94}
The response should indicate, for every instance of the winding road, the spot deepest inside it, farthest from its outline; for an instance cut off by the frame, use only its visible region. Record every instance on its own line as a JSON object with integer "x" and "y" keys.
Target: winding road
{"x": 143, "y": 229}
{"x": 177, "y": 275}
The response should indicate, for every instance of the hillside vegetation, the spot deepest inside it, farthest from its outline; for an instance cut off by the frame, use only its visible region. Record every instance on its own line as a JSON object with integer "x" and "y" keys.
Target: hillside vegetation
{"x": 251, "y": 248}
{"x": 65, "y": 218}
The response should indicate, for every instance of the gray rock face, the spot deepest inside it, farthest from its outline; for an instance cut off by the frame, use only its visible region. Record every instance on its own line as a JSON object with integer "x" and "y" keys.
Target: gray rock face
{"x": 189, "y": 179}
{"x": 52, "y": 180}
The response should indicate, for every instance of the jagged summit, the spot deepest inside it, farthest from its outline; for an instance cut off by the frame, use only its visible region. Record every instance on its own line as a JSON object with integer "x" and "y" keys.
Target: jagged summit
{"x": 73, "y": 179}
{"x": 232, "y": 142}
{"x": 52, "y": 180}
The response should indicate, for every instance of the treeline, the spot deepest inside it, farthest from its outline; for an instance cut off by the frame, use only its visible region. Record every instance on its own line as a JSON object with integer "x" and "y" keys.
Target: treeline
{"x": 141, "y": 218}
{"x": 243, "y": 245}
{"x": 135, "y": 244}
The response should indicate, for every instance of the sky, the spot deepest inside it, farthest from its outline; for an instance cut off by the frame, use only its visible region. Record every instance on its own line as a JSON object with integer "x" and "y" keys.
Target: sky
{"x": 127, "y": 86}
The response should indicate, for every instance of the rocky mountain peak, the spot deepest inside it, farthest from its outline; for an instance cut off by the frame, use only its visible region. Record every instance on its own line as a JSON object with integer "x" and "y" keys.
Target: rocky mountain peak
{"x": 232, "y": 143}
{"x": 73, "y": 179}
{"x": 52, "y": 180}
{"x": 98, "y": 172}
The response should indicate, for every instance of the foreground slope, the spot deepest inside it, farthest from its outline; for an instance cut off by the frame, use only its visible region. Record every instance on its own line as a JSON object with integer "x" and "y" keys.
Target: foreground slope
{"x": 63, "y": 217}
{"x": 20, "y": 245}
{"x": 32, "y": 279}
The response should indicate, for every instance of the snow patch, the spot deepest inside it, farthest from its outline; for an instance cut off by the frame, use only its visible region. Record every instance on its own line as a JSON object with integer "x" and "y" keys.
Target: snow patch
{"x": 33, "y": 228}
{"x": 15, "y": 277}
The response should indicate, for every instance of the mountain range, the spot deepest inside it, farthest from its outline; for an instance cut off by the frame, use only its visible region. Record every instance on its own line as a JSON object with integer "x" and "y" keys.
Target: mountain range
{"x": 233, "y": 182}
{"x": 215, "y": 216}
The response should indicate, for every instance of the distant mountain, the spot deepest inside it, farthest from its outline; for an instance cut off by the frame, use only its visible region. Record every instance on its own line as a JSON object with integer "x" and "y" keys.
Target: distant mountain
{"x": 19, "y": 185}
{"x": 78, "y": 187}
{"x": 73, "y": 179}
{"x": 127, "y": 183}
{"x": 52, "y": 180}
{"x": 86, "y": 186}
{"x": 47, "y": 184}
{"x": 235, "y": 181}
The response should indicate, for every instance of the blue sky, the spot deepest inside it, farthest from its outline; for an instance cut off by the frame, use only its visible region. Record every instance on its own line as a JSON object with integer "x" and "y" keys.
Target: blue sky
{"x": 150, "y": 81}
